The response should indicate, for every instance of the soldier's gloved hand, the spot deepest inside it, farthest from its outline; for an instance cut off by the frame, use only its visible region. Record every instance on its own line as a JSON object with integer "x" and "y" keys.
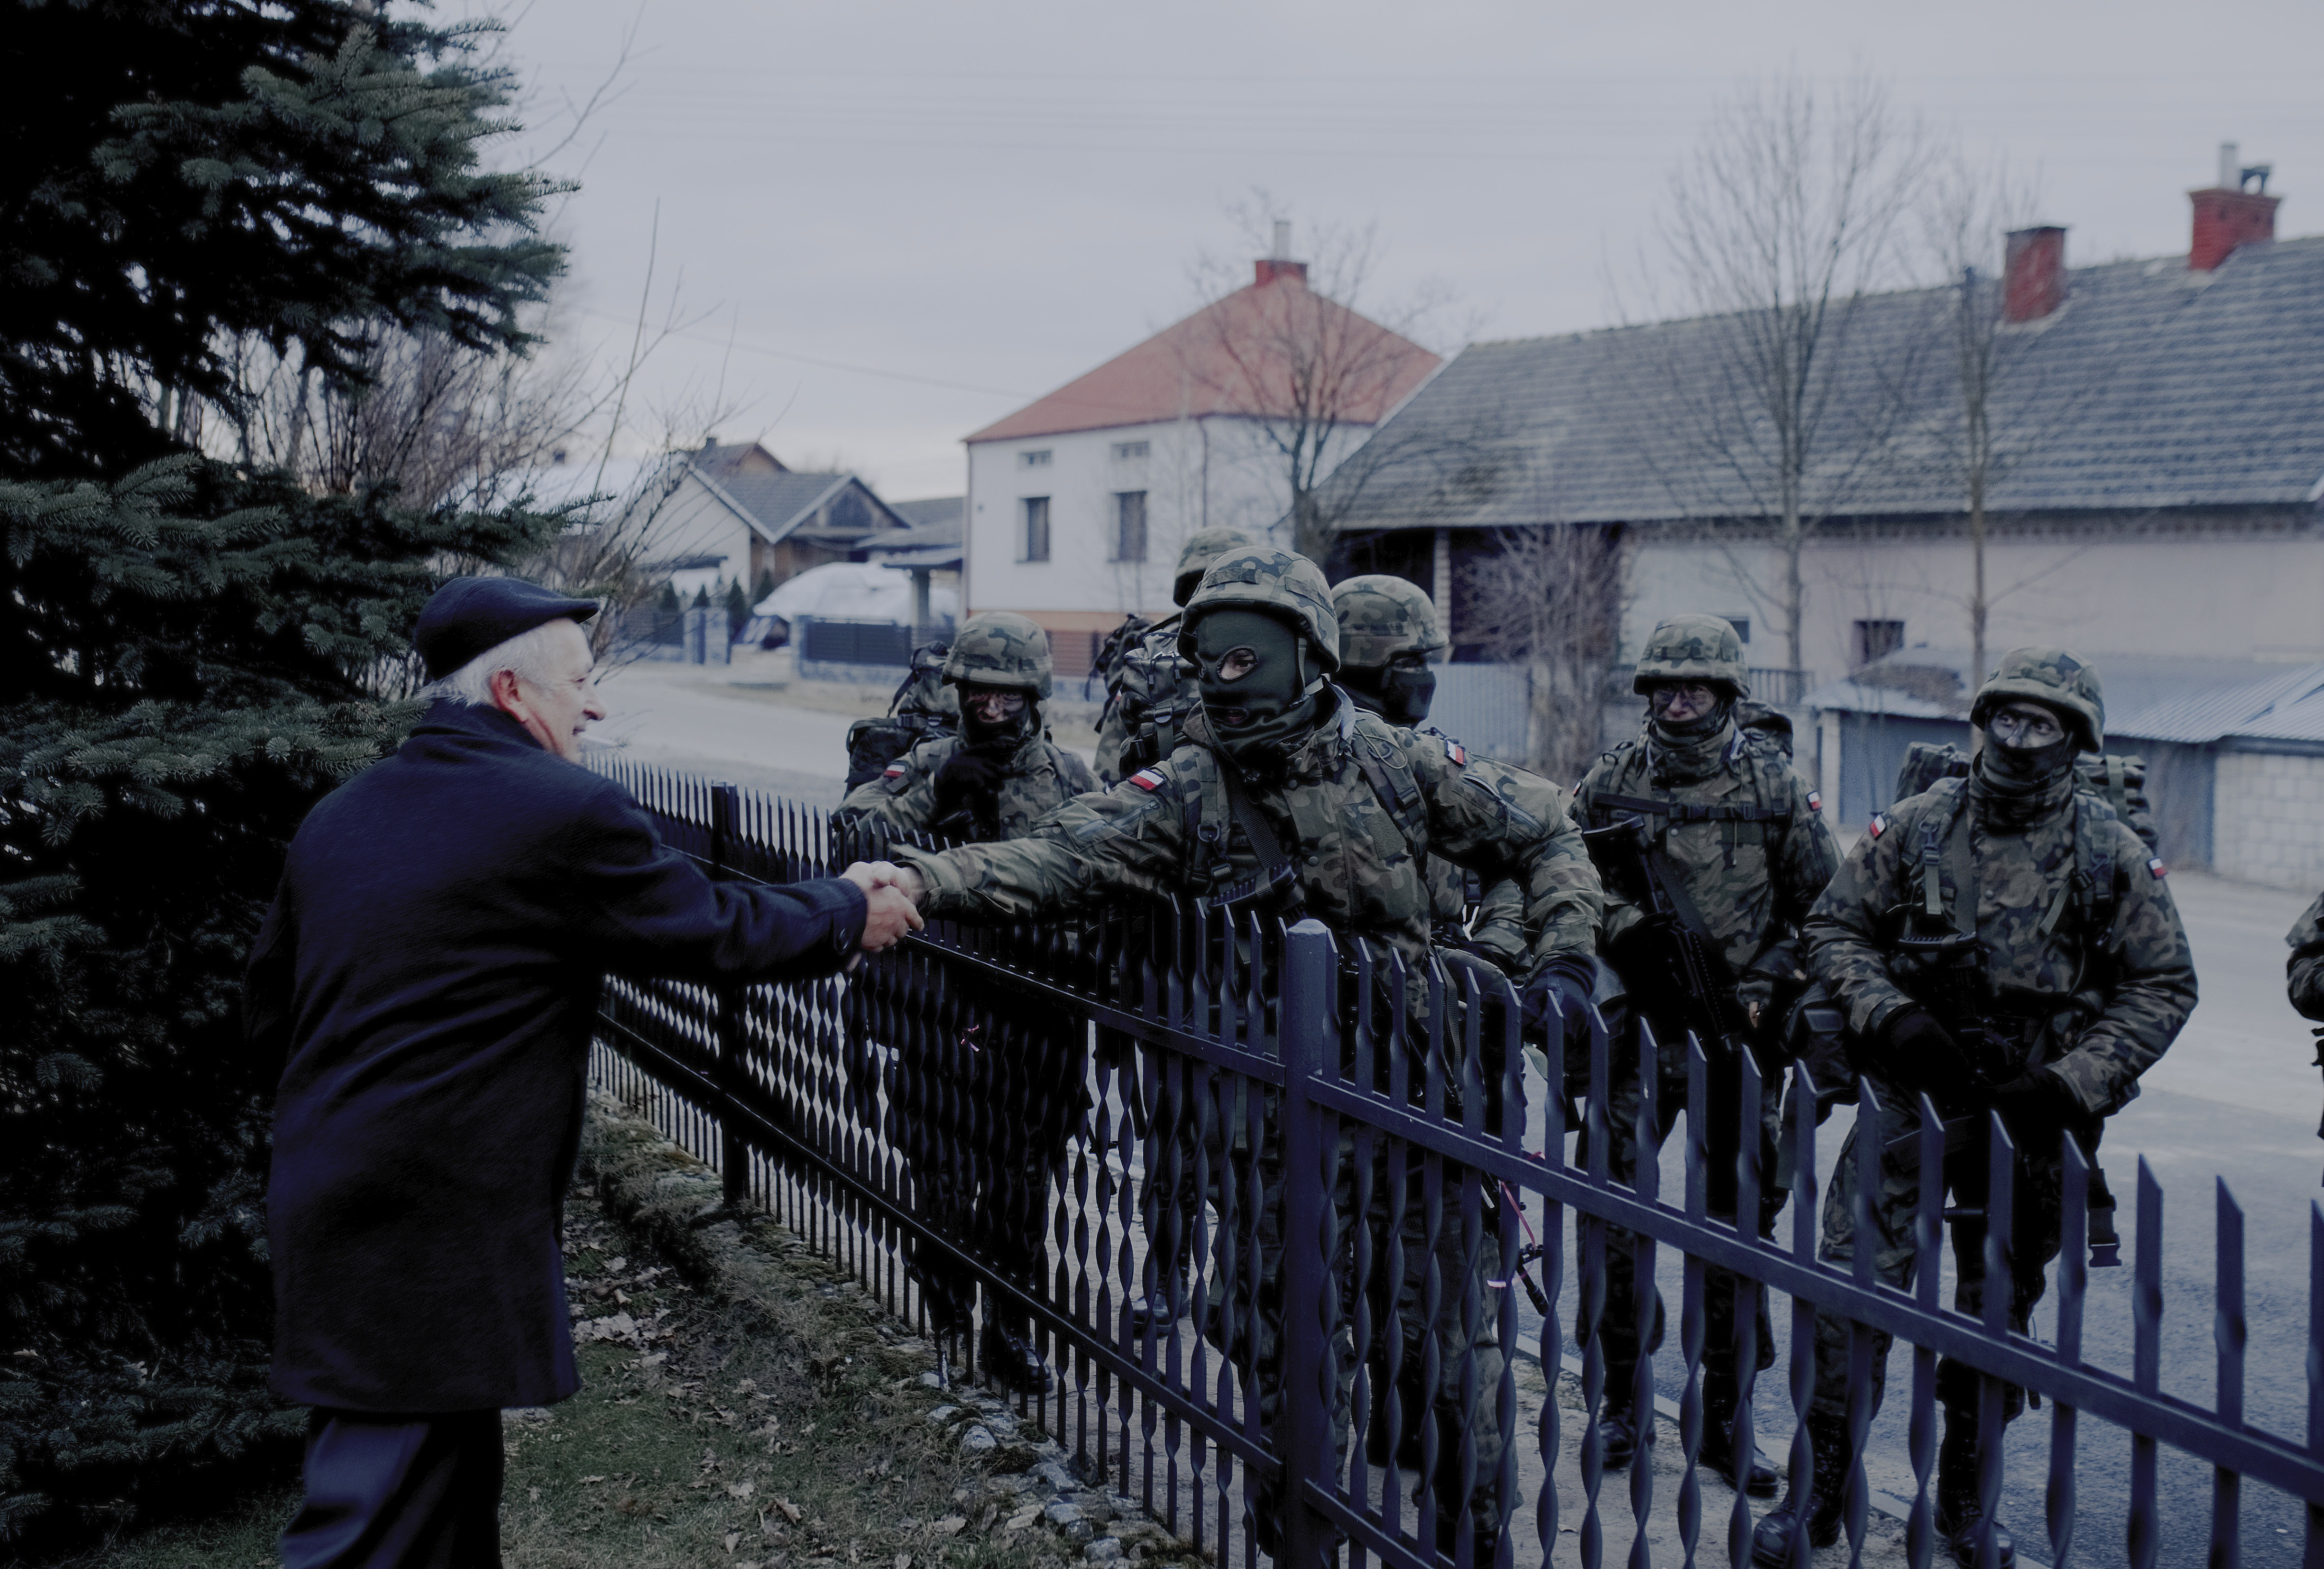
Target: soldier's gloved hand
{"x": 1924, "y": 1055}
{"x": 966, "y": 777}
{"x": 1569, "y": 983}
{"x": 2037, "y": 1108}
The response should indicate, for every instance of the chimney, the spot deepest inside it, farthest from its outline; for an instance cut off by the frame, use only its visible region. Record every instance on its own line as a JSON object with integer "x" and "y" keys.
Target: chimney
{"x": 2033, "y": 272}
{"x": 1280, "y": 265}
{"x": 2236, "y": 211}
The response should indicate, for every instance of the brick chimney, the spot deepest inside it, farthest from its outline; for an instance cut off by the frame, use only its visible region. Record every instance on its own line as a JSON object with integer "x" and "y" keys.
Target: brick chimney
{"x": 2236, "y": 211}
{"x": 1280, "y": 265}
{"x": 2033, "y": 274}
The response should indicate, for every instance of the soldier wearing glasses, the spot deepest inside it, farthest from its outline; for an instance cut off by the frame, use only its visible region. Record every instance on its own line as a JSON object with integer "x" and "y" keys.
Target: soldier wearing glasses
{"x": 1714, "y": 814}
{"x": 2001, "y": 944}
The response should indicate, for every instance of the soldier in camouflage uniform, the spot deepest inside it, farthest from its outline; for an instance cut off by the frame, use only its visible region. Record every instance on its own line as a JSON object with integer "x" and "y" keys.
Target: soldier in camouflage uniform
{"x": 2047, "y": 971}
{"x": 1351, "y": 806}
{"x": 1388, "y": 639}
{"x": 1751, "y": 852}
{"x": 990, "y": 782}
{"x": 2304, "y": 974}
{"x": 1148, "y": 684}
{"x": 2304, "y": 971}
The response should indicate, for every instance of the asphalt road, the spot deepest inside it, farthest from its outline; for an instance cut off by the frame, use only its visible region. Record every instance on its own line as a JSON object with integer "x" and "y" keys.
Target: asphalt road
{"x": 680, "y": 717}
{"x": 2232, "y": 1108}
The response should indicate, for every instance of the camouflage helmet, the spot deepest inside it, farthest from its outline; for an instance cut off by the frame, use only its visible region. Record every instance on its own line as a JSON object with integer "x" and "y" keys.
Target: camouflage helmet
{"x": 1262, "y": 577}
{"x": 1383, "y": 615}
{"x": 1194, "y": 558}
{"x": 1694, "y": 647}
{"x": 2053, "y": 678}
{"x": 1000, "y": 648}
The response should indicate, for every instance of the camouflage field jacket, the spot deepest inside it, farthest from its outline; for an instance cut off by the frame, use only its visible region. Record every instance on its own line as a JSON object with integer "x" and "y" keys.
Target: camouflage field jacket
{"x": 1171, "y": 828}
{"x": 2304, "y": 971}
{"x": 2103, "y": 1005}
{"x": 1753, "y": 882}
{"x": 1040, "y": 777}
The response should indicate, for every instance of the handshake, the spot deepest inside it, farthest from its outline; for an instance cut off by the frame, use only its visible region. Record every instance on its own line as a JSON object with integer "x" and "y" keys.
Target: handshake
{"x": 892, "y": 896}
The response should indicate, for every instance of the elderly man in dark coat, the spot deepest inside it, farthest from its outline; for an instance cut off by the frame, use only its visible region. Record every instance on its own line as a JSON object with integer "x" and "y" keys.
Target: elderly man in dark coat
{"x": 430, "y": 973}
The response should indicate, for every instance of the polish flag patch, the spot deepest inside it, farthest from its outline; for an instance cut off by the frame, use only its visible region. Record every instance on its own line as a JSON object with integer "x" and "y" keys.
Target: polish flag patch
{"x": 895, "y": 770}
{"x": 1457, "y": 753}
{"x": 1879, "y": 826}
{"x": 1815, "y": 801}
{"x": 2156, "y": 869}
{"x": 1147, "y": 779}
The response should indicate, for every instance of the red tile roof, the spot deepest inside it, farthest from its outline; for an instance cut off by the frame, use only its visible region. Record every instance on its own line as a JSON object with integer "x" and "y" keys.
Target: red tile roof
{"x": 1249, "y": 354}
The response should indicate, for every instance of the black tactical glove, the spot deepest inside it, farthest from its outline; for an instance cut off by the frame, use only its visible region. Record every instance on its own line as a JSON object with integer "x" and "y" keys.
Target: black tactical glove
{"x": 1924, "y": 1056}
{"x": 2037, "y": 1108}
{"x": 1569, "y": 982}
{"x": 965, "y": 784}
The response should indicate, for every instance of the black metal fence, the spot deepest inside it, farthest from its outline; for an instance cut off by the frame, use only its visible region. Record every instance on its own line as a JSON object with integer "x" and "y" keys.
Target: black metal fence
{"x": 1264, "y": 1201}
{"x": 834, "y": 642}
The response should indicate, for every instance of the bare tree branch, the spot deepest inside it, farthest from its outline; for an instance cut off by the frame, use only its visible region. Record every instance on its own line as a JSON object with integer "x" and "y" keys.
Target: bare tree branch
{"x": 1311, "y": 361}
{"x": 1781, "y": 224}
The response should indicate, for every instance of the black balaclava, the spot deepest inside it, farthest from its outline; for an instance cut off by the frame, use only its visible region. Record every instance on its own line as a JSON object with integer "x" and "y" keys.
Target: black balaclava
{"x": 1001, "y": 740}
{"x": 2016, "y": 787}
{"x": 1401, "y": 697}
{"x": 1258, "y": 718}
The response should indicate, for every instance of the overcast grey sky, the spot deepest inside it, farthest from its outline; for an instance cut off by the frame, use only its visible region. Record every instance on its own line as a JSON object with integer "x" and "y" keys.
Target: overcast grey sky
{"x": 983, "y": 201}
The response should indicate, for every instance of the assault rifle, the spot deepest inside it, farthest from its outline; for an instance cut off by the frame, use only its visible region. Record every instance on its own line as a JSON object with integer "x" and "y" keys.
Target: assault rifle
{"x": 1669, "y": 953}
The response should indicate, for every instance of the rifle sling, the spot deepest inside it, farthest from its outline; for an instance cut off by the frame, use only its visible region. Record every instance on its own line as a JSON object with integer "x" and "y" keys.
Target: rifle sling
{"x": 1274, "y": 866}
{"x": 1682, "y": 903}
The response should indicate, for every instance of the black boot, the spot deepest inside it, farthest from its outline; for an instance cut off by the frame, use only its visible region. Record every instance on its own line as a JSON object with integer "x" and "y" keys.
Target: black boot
{"x": 1720, "y": 1397}
{"x": 1411, "y": 1412}
{"x": 1959, "y": 1518}
{"x": 1155, "y": 1312}
{"x": 1620, "y": 1432}
{"x": 1818, "y": 1509}
{"x": 1011, "y": 1359}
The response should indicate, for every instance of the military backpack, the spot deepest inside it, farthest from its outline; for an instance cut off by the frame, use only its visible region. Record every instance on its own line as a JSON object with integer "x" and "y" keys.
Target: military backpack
{"x": 2119, "y": 780}
{"x": 922, "y": 709}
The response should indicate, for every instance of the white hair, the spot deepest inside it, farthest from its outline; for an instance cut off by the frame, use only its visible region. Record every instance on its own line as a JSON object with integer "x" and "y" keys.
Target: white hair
{"x": 530, "y": 654}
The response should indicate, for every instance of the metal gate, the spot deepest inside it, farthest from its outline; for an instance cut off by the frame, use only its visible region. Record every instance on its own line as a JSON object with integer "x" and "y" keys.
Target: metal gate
{"x": 1327, "y": 1165}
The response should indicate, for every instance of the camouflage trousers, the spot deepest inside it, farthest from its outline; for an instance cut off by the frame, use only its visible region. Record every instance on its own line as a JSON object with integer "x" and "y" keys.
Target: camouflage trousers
{"x": 2034, "y": 1223}
{"x": 1243, "y": 1300}
{"x": 1617, "y": 1320}
{"x": 984, "y": 1113}
{"x": 1433, "y": 1308}
{"x": 1437, "y": 1329}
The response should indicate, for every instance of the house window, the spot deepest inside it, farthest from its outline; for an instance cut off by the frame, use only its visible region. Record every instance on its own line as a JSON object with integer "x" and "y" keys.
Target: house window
{"x": 1124, "y": 451}
{"x": 1742, "y": 625}
{"x": 1129, "y": 525}
{"x": 1037, "y": 527}
{"x": 1034, "y": 459}
{"x": 1875, "y": 639}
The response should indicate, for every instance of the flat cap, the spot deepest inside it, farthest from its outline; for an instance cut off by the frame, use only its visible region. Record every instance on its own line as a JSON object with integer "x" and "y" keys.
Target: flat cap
{"x": 468, "y": 616}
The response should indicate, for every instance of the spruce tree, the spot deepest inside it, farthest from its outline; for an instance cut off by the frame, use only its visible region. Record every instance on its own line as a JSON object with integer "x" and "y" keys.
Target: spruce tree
{"x": 738, "y": 609}
{"x": 189, "y": 654}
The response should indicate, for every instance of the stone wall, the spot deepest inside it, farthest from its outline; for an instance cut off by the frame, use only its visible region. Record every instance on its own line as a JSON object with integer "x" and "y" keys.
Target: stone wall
{"x": 2268, "y": 818}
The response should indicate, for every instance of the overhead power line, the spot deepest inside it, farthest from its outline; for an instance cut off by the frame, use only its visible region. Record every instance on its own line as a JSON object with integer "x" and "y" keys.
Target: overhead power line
{"x": 806, "y": 359}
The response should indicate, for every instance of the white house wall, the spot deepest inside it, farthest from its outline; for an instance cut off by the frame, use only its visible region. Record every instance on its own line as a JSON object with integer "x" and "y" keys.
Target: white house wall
{"x": 1217, "y": 472}
{"x": 2244, "y": 594}
{"x": 693, "y": 522}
